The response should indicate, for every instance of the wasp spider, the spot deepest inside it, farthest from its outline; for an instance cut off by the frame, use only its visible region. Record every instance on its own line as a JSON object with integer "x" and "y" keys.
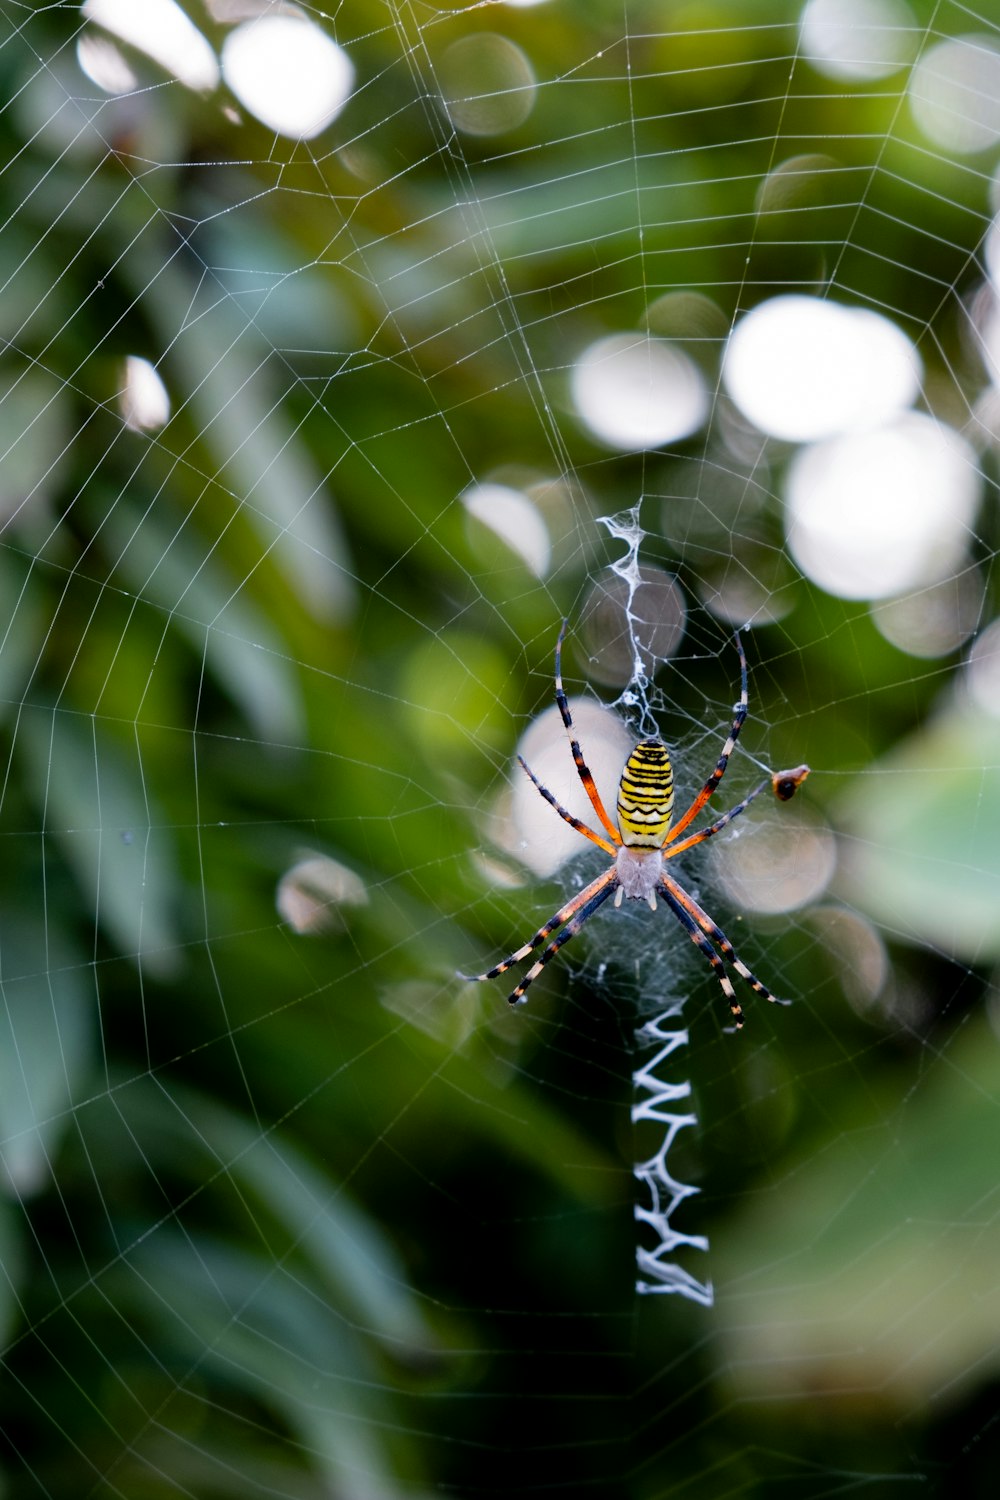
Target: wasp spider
{"x": 641, "y": 845}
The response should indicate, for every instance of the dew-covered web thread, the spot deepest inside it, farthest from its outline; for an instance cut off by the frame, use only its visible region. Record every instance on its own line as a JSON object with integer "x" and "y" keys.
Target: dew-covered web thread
{"x": 345, "y": 353}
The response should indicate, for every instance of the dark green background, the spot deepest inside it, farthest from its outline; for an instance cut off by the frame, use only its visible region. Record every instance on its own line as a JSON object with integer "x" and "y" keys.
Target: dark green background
{"x": 304, "y": 1216}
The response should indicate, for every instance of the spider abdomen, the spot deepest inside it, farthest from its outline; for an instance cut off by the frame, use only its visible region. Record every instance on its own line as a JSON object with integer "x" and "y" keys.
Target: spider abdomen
{"x": 646, "y": 796}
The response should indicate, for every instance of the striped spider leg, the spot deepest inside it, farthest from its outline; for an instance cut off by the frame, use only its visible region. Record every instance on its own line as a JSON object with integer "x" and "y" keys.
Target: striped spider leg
{"x": 643, "y": 841}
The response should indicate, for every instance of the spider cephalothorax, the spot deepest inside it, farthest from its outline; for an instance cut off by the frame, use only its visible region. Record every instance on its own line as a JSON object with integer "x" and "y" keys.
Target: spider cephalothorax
{"x": 644, "y": 839}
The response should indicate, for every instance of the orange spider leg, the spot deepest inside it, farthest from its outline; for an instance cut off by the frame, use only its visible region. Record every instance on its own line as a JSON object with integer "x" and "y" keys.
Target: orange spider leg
{"x": 574, "y": 914}
{"x": 568, "y": 817}
{"x": 697, "y": 922}
{"x": 727, "y": 750}
{"x": 589, "y": 785}
{"x": 717, "y": 826}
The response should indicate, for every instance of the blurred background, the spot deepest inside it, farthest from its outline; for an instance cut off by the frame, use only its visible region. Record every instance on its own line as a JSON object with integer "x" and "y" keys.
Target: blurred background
{"x": 345, "y": 354}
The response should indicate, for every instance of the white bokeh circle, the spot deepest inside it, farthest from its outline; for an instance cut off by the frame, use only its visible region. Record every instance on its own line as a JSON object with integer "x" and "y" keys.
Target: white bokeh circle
{"x": 803, "y": 368}
{"x": 857, "y": 39}
{"x": 874, "y": 514}
{"x": 955, "y": 94}
{"x": 162, "y": 30}
{"x": 633, "y": 391}
{"x": 288, "y": 74}
{"x": 513, "y": 517}
{"x": 488, "y": 84}
{"x": 144, "y": 402}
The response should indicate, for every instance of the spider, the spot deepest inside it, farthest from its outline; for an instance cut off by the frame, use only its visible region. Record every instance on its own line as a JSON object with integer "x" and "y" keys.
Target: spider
{"x": 644, "y": 840}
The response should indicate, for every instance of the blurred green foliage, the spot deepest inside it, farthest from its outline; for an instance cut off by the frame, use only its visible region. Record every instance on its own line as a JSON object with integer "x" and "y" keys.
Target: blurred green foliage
{"x": 300, "y": 1215}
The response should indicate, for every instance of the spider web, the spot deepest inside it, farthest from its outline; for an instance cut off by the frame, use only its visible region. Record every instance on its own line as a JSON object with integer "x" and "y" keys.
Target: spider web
{"x": 323, "y": 405}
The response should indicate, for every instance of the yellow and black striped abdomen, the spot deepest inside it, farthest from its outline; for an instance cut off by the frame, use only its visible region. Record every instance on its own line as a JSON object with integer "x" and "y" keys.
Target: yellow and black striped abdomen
{"x": 646, "y": 796}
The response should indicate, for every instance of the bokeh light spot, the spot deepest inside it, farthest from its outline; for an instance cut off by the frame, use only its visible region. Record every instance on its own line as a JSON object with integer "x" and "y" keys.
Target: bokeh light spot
{"x": 487, "y": 83}
{"x": 311, "y": 895}
{"x": 857, "y": 39}
{"x": 935, "y": 620}
{"x": 878, "y": 513}
{"x": 857, "y": 953}
{"x": 144, "y": 402}
{"x": 794, "y": 186}
{"x": 955, "y": 94}
{"x": 776, "y": 866}
{"x": 103, "y": 64}
{"x": 982, "y": 670}
{"x": 288, "y": 74}
{"x": 512, "y": 517}
{"x": 802, "y": 368}
{"x": 636, "y": 392}
{"x": 162, "y": 30}
{"x": 622, "y": 616}
{"x": 535, "y": 834}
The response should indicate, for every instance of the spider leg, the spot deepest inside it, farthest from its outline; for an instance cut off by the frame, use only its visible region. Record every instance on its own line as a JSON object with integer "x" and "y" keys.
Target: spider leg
{"x": 727, "y": 750}
{"x": 705, "y": 948}
{"x": 567, "y": 816}
{"x": 607, "y": 882}
{"x": 589, "y": 785}
{"x": 718, "y": 825}
{"x": 784, "y": 785}
{"x": 697, "y": 921}
{"x": 600, "y": 887}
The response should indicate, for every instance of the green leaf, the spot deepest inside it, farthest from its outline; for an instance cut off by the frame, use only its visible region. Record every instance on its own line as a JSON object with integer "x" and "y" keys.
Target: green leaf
{"x": 255, "y": 1324}
{"x": 924, "y": 856}
{"x": 224, "y": 366}
{"x": 98, "y": 807}
{"x": 872, "y": 1264}
{"x": 241, "y": 648}
{"x": 320, "y": 1218}
{"x": 46, "y": 1045}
